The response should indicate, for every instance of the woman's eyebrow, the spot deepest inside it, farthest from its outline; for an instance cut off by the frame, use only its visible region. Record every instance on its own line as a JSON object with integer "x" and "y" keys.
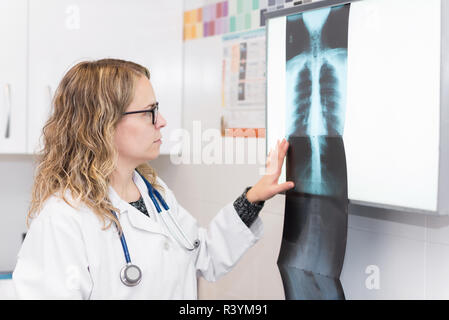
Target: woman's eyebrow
{"x": 150, "y": 105}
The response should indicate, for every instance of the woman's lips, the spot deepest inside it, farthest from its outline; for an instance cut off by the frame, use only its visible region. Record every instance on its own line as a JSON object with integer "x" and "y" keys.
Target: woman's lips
{"x": 158, "y": 141}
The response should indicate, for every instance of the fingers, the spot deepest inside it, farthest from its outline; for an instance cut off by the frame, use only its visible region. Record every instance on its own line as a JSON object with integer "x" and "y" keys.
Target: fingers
{"x": 283, "y": 147}
{"x": 285, "y": 186}
{"x": 275, "y": 158}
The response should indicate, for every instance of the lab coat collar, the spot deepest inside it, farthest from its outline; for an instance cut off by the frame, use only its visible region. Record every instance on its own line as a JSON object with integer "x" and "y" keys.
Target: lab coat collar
{"x": 136, "y": 218}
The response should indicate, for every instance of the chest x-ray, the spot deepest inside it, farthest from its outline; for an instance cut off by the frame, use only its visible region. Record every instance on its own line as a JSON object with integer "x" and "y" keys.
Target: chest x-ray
{"x": 343, "y": 87}
{"x": 315, "y": 223}
{"x": 316, "y": 54}
{"x": 316, "y": 72}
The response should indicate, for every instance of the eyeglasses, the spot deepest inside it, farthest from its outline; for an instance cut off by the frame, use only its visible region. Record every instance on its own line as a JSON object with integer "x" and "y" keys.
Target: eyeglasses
{"x": 153, "y": 112}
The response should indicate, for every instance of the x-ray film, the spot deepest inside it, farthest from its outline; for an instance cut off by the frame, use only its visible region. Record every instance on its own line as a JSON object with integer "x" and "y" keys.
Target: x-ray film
{"x": 315, "y": 223}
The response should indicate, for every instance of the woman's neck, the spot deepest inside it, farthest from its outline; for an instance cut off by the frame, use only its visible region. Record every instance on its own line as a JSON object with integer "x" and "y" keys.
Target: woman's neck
{"x": 122, "y": 182}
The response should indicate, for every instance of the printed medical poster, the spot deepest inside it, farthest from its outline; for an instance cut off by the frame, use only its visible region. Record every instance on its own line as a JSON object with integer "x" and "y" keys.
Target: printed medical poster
{"x": 244, "y": 81}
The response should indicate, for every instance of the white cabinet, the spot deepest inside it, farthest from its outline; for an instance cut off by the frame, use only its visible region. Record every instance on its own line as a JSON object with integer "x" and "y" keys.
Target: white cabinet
{"x": 64, "y": 32}
{"x": 13, "y": 39}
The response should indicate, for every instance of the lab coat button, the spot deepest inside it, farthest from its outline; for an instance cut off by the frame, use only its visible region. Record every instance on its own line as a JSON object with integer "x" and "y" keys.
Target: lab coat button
{"x": 166, "y": 246}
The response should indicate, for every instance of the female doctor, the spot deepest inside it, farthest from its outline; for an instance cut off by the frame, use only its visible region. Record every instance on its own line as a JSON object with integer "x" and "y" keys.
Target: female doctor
{"x": 103, "y": 224}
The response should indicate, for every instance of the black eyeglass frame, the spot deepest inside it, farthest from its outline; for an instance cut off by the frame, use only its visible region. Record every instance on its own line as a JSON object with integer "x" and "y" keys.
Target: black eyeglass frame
{"x": 154, "y": 111}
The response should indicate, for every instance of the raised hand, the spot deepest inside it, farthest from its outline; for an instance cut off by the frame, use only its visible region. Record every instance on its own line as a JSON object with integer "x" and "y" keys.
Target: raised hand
{"x": 267, "y": 187}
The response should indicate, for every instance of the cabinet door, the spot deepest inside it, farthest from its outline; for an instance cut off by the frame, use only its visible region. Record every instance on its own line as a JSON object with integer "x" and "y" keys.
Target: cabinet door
{"x": 13, "y": 37}
{"x": 64, "y": 32}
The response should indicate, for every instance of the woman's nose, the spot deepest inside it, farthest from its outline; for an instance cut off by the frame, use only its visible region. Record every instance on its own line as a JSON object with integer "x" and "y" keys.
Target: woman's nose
{"x": 161, "y": 122}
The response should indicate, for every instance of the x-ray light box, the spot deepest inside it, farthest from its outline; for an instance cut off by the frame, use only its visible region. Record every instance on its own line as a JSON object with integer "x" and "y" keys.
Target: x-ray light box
{"x": 383, "y": 88}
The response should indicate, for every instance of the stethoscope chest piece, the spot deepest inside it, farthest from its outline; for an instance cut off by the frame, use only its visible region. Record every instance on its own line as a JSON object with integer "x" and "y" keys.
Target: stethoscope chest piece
{"x": 130, "y": 275}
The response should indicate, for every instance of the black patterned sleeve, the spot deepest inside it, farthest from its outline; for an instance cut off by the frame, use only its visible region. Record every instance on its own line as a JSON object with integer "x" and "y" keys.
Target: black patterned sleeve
{"x": 247, "y": 211}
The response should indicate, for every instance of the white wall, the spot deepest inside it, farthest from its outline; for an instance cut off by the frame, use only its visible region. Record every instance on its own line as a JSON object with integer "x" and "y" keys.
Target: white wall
{"x": 16, "y": 178}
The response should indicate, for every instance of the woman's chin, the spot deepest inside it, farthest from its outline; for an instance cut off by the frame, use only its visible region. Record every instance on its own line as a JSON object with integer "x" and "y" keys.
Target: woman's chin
{"x": 154, "y": 154}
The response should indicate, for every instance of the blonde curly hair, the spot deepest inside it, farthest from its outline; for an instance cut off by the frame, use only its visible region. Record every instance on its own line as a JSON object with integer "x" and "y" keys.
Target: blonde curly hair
{"x": 78, "y": 152}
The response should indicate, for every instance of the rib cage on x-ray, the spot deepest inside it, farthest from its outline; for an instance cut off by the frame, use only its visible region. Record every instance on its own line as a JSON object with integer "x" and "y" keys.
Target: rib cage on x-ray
{"x": 315, "y": 223}
{"x": 316, "y": 99}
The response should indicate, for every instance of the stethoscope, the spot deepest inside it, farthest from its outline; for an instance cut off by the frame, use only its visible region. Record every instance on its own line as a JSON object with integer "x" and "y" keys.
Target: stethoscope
{"x": 131, "y": 274}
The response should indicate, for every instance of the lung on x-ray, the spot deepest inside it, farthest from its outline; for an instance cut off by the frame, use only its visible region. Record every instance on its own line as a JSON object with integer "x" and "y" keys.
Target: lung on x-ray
{"x": 372, "y": 81}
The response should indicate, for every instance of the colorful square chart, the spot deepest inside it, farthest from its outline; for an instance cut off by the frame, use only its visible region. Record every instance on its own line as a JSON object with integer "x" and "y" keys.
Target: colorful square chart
{"x": 224, "y": 17}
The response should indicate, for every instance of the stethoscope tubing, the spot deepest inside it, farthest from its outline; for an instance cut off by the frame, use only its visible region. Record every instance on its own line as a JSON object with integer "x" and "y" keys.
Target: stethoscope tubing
{"x": 124, "y": 245}
{"x": 153, "y": 193}
{"x": 126, "y": 274}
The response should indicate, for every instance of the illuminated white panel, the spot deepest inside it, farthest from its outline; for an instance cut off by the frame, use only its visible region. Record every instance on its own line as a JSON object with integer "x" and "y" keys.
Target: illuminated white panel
{"x": 392, "y": 126}
{"x": 392, "y": 122}
{"x": 276, "y": 84}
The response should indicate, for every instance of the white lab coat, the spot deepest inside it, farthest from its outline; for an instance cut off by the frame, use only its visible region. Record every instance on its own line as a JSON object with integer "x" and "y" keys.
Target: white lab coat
{"x": 66, "y": 254}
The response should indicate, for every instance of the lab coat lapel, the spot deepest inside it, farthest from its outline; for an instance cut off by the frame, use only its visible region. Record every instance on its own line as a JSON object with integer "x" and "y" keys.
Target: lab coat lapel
{"x": 136, "y": 218}
{"x": 140, "y": 221}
